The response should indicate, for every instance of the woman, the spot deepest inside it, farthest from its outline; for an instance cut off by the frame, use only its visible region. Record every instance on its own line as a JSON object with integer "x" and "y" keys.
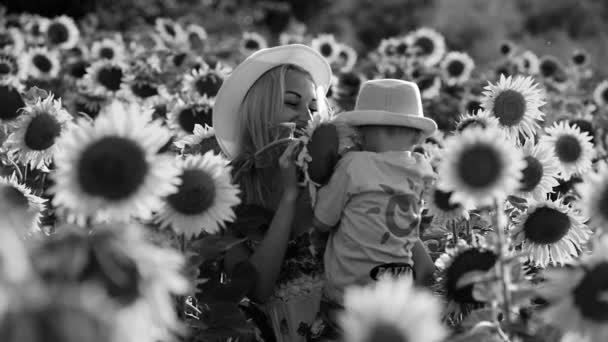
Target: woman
{"x": 272, "y": 89}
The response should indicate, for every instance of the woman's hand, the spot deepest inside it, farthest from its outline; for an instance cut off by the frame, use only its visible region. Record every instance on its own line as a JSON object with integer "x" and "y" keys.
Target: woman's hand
{"x": 289, "y": 172}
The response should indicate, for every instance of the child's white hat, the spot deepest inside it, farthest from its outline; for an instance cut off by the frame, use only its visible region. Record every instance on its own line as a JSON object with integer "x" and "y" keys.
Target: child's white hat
{"x": 389, "y": 102}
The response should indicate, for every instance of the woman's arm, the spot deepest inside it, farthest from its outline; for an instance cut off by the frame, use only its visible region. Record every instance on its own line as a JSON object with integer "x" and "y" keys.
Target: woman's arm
{"x": 269, "y": 254}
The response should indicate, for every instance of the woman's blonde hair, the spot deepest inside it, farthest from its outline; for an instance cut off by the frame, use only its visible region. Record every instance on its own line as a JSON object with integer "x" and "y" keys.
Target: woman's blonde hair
{"x": 259, "y": 111}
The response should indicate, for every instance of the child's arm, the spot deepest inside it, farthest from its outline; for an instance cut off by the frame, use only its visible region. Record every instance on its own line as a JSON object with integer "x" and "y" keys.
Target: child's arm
{"x": 332, "y": 197}
{"x": 424, "y": 267}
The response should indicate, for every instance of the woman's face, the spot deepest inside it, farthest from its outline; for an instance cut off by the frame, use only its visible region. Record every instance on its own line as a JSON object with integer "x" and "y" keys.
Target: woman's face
{"x": 299, "y": 99}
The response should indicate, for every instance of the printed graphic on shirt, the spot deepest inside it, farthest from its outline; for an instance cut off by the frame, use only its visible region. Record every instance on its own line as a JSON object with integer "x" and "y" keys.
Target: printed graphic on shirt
{"x": 394, "y": 269}
{"x": 401, "y": 213}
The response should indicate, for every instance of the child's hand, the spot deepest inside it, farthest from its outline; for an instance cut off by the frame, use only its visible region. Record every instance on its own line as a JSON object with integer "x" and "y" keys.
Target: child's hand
{"x": 289, "y": 172}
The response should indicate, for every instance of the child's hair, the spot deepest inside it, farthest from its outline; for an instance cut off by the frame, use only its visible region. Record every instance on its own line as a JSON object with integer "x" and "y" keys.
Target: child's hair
{"x": 392, "y": 131}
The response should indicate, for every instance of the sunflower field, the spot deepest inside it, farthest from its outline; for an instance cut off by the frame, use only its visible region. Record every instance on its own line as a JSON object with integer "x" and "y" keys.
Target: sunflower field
{"x": 116, "y": 203}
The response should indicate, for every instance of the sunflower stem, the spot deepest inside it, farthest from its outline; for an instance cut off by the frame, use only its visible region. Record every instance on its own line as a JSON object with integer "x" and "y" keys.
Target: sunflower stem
{"x": 503, "y": 272}
{"x": 454, "y": 236}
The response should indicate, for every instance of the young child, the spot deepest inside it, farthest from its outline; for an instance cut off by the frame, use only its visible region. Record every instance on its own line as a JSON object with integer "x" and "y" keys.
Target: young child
{"x": 372, "y": 203}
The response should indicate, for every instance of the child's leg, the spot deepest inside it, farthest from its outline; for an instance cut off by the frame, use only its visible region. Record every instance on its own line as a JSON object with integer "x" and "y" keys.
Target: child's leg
{"x": 424, "y": 268}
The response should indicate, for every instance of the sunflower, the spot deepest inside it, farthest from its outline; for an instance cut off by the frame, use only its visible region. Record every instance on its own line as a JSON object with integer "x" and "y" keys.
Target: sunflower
{"x": 528, "y": 63}
{"x": 109, "y": 169}
{"x": 452, "y": 266}
{"x": 347, "y": 58}
{"x": 480, "y": 166}
{"x": 387, "y": 47}
{"x": 541, "y": 171}
{"x": 169, "y": 30}
{"x": 551, "y": 233}
{"x": 199, "y": 134}
{"x": 429, "y": 85}
{"x": 600, "y": 94}
{"x": 507, "y": 48}
{"x": 19, "y": 208}
{"x": 32, "y": 142}
{"x": 515, "y": 102}
{"x": 442, "y": 209}
{"x": 108, "y": 48}
{"x": 594, "y": 197}
{"x": 41, "y": 63}
{"x": 10, "y": 100}
{"x": 205, "y": 199}
{"x": 105, "y": 77}
{"x": 456, "y": 68}
{"x": 430, "y": 45}
{"x": 137, "y": 278}
{"x": 184, "y": 116}
{"x": 252, "y": 42}
{"x": 197, "y": 36}
{"x": 580, "y": 58}
{"x": 204, "y": 81}
{"x": 480, "y": 119}
{"x": 391, "y": 310}
{"x": 9, "y": 66}
{"x": 572, "y": 148}
{"x": 327, "y": 46}
{"x": 11, "y": 39}
{"x": 577, "y": 296}
{"x": 61, "y": 32}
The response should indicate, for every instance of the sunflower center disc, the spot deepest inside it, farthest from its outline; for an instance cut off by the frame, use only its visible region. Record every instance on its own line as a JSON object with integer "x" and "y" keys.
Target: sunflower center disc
{"x": 10, "y": 103}
{"x": 479, "y": 166}
{"x": 14, "y": 196}
{"x": 194, "y": 115}
{"x": 251, "y": 44}
{"x": 588, "y": 294}
{"x": 208, "y": 85}
{"x": 79, "y": 69}
{"x": 326, "y": 50}
{"x": 473, "y": 106}
{"x": 425, "y": 82}
{"x": 426, "y": 45}
{"x": 455, "y": 68}
{"x": 605, "y": 95}
{"x": 546, "y": 225}
{"x": 43, "y": 63}
{"x": 385, "y": 332}
{"x": 548, "y": 68}
{"x": 170, "y": 30}
{"x": 442, "y": 200}
{"x": 42, "y": 132}
{"x": 467, "y": 261}
{"x": 5, "y": 69}
{"x": 144, "y": 90}
{"x": 58, "y": 33}
{"x": 112, "y": 168}
{"x": 603, "y": 203}
{"x": 196, "y": 194}
{"x": 532, "y": 174}
{"x": 118, "y": 274}
{"x": 110, "y": 77}
{"x": 106, "y": 53}
{"x": 568, "y": 149}
{"x": 509, "y": 107}
{"x": 401, "y": 49}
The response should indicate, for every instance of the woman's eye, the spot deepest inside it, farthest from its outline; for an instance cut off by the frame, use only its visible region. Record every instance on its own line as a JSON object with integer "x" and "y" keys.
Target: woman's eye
{"x": 291, "y": 104}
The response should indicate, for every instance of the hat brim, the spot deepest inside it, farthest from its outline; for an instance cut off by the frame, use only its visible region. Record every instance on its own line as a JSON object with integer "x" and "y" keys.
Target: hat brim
{"x": 226, "y": 120}
{"x": 380, "y": 117}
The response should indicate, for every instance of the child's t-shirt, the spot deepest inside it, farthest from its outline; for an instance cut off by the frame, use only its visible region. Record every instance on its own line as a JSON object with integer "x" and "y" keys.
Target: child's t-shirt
{"x": 374, "y": 199}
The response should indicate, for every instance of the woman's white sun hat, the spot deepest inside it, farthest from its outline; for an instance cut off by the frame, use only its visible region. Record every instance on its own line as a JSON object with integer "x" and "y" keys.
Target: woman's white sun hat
{"x": 389, "y": 102}
{"x": 226, "y": 121}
